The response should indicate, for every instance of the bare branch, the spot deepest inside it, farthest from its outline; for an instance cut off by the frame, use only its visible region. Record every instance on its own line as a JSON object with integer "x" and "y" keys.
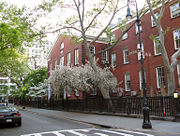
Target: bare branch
{"x": 95, "y": 17}
{"x": 120, "y": 37}
{"x": 102, "y": 31}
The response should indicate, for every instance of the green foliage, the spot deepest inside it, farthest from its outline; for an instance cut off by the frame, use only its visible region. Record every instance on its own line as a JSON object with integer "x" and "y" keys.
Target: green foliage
{"x": 36, "y": 77}
{"x": 166, "y": 30}
{"x": 152, "y": 37}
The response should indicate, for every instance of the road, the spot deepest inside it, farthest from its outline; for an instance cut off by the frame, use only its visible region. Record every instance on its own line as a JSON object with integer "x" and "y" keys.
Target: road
{"x": 34, "y": 124}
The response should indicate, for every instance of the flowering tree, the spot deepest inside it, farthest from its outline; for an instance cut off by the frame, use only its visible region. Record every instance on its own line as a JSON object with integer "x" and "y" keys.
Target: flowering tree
{"x": 82, "y": 78}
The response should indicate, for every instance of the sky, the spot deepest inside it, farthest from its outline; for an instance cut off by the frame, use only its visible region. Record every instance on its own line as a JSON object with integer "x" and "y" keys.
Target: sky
{"x": 32, "y": 3}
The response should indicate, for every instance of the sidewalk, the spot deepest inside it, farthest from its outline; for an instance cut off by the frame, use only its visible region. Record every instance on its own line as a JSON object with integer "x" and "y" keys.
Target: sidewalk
{"x": 109, "y": 121}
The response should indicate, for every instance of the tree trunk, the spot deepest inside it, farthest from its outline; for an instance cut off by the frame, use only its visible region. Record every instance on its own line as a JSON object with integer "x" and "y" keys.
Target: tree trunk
{"x": 169, "y": 71}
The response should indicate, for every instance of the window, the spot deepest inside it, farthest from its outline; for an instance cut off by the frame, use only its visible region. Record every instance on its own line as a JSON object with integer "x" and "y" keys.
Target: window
{"x": 176, "y": 38}
{"x": 175, "y": 10}
{"x": 61, "y": 64}
{"x": 136, "y": 26}
{"x": 62, "y": 46}
{"x": 68, "y": 91}
{"x": 140, "y": 79}
{"x": 104, "y": 57}
{"x": 153, "y": 21}
{"x": 125, "y": 36}
{"x": 69, "y": 59}
{"x": 178, "y": 72}
{"x": 55, "y": 64}
{"x": 160, "y": 77}
{"x": 125, "y": 55}
{"x": 157, "y": 47}
{"x": 113, "y": 59}
{"x": 76, "y": 52}
{"x": 140, "y": 50}
{"x": 92, "y": 49}
{"x": 127, "y": 82}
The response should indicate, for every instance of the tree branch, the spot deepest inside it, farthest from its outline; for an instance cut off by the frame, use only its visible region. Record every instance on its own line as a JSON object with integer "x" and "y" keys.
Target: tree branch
{"x": 106, "y": 25}
{"x": 95, "y": 17}
{"x": 174, "y": 60}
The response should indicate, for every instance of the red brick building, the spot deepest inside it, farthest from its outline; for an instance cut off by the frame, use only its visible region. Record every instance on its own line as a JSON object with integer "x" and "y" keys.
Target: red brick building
{"x": 125, "y": 57}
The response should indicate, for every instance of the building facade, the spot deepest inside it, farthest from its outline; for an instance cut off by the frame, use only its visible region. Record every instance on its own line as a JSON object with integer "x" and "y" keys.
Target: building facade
{"x": 37, "y": 55}
{"x": 125, "y": 56}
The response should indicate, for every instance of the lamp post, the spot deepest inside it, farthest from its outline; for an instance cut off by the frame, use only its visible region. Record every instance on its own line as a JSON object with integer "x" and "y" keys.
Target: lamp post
{"x": 146, "y": 120}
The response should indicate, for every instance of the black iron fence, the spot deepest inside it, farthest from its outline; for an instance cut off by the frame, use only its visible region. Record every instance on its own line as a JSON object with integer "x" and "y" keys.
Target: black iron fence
{"x": 159, "y": 106}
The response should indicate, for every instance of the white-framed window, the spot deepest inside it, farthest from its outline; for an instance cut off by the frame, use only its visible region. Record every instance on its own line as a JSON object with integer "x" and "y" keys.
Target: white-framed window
{"x": 55, "y": 64}
{"x": 141, "y": 80}
{"x": 113, "y": 59}
{"x": 136, "y": 26}
{"x": 62, "y": 46}
{"x": 157, "y": 48}
{"x": 160, "y": 77}
{"x": 104, "y": 57}
{"x": 176, "y": 34}
{"x": 68, "y": 59}
{"x": 76, "y": 58}
{"x": 125, "y": 36}
{"x": 175, "y": 10}
{"x": 127, "y": 82}
{"x": 125, "y": 56}
{"x": 61, "y": 64}
{"x": 50, "y": 67}
{"x": 92, "y": 49}
{"x": 140, "y": 50}
{"x": 69, "y": 91}
{"x": 178, "y": 72}
{"x": 152, "y": 19}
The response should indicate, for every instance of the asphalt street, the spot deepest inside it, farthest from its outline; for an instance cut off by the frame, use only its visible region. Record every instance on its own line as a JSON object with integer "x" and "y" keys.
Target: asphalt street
{"x": 35, "y": 124}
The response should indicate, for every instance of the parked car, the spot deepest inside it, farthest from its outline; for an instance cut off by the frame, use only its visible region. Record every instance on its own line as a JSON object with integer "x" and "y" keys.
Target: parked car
{"x": 2, "y": 104}
{"x": 10, "y": 115}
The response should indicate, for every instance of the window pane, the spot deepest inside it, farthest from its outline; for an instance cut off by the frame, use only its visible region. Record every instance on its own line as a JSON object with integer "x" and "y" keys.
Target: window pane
{"x": 76, "y": 56}
{"x": 157, "y": 46}
{"x": 160, "y": 77}
{"x": 113, "y": 59}
{"x": 175, "y": 10}
{"x": 127, "y": 82}
{"x": 177, "y": 38}
{"x": 125, "y": 56}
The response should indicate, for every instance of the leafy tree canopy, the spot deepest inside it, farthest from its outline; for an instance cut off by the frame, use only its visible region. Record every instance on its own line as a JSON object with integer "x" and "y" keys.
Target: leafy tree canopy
{"x": 36, "y": 77}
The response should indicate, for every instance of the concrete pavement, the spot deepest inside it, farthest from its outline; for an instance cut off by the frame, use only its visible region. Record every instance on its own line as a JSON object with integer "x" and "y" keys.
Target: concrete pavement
{"x": 110, "y": 121}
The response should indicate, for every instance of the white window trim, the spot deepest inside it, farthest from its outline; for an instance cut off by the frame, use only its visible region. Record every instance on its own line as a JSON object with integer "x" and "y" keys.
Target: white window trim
{"x": 125, "y": 36}
{"x": 139, "y": 51}
{"x": 124, "y": 50}
{"x": 76, "y": 54}
{"x": 140, "y": 79}
{"x": 61, "y": 64}
{"x": 178, "y": 10}
{"x": 174, "y": 39}
{"x": 112, "y": 62}
{"x": 152, "y": 19}
{"x": 125, "y": 78}
{"x": 55, "y": 64}
{"x": 155, "y": 48}
{"x": 106, "y": 57}
{"x": 68, "y": 59}
{"x": 62, "y": 46}
{"x": 157, "y": 77}
{"x": 136, "y": 27}
{"x": 93, "y": 52}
